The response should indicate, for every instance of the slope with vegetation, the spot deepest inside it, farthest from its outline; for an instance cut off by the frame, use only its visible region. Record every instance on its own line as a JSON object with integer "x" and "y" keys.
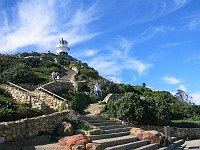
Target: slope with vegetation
{"x": 139, "y": 104}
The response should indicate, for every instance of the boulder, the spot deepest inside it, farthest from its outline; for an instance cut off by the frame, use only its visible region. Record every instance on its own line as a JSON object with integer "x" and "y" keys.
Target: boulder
{"x": 153, "y": 136}
{"x": 65, "y": 129}
{"x": 78, "y": 147}
{"x": 94, "y": 132}
{"x": 93, "y": 146}
{"x": 136, "y": 131}
{"x": 73, "y": 140}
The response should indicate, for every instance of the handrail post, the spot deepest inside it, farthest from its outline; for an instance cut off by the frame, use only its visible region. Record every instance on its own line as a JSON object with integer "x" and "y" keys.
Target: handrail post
{"x": 167, "y": 134}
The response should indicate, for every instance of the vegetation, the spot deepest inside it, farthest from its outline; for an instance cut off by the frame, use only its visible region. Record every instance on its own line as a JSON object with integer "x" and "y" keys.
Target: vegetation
{"x": 150, "y": 107}
{"x": 138, "y": 105}
{"x": 78, "y": 101}
{"x": 10, "y": 110}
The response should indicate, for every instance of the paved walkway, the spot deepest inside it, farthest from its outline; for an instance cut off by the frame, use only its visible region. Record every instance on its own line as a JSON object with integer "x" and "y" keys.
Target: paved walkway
{"x": 193, "y": 144}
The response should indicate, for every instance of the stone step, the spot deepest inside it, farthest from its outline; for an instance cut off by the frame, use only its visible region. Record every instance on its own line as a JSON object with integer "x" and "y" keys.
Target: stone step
{"x": 149, "y": 147}
{"x": 118, "y": 130}
{"x": 116, "y": 141}
{"x": 127, "y": 146}
{"x": 106, "y": 123}
{"x": 179, "y": 142}
{"x": 96, "y": 120}
{"x": 109, "y": 135}
{"x": 173, "y": 139}
{"x": 111, "y": 127}
{"x": 53, "y": 146}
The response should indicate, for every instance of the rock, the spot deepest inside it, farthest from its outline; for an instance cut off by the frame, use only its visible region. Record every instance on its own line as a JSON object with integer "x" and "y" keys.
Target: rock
{"x": 153, "y": 136}
{"x": 2, "y": 139}
{"x": 65, "y": 128}
{"x": 78, "y": 139}
{"x": 136, "y": 131}
{"x": 78, "y": 147}
{"x": 95, "y": 132}
{"x": 93, "y": 146}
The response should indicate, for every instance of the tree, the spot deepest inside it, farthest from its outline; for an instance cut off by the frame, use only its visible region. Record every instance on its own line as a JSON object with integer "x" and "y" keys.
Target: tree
{"x": 183, "y": 96}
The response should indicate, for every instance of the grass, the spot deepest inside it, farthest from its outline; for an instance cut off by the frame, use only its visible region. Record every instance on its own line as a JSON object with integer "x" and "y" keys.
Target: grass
{"x": 188, "y": 123}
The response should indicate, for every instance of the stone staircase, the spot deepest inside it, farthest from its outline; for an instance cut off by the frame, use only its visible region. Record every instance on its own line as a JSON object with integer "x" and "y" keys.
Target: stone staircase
{"x": 117, "y": 136}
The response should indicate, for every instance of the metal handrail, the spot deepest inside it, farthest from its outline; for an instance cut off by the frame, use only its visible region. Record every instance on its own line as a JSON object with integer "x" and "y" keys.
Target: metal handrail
{"x": 51, "y": 93}
{"x": 19, "y": 87}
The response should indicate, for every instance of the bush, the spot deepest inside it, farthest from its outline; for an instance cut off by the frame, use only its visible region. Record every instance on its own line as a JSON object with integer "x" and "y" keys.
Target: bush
{"x": 78, "y": 101}
{"x": 20, "y": 73}
{"x": 6, "y": 114}
{"x": 5, "y": 93}
{"x": 132, "y": 109}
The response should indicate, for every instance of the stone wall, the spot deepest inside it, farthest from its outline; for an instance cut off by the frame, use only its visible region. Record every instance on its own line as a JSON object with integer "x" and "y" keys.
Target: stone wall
{"x": 112, "y": 97}
{"x": 15, "y": 130}
{"x": 188, "y": 133}
{"x": 35, "y": 98}
{"x": 55, "y": 87}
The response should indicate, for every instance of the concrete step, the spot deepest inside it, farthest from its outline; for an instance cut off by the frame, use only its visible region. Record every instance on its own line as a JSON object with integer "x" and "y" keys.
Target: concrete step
{"x": 106, "y": 123}
{"x": 109, "y": 135}
{"x": 53, "y": 146}
{"x": 173, "y": 139}
{"x": 118, "y": 130}
{"x": 111, "y": 127}
{"x": 149, "y": 147}
{"x": 128, "y": 146}
{"x": 116, "y": 141}
{"x": 96, "y": 120}
{"x": 179, "y": 142}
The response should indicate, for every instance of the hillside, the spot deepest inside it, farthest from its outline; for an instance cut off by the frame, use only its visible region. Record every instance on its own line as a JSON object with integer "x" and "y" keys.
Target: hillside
{"x": 138, "y": 104}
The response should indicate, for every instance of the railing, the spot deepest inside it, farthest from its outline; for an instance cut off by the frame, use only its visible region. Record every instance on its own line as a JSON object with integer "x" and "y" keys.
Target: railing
{"x": 54, "y": 95}
{"x": 19, "y": 87}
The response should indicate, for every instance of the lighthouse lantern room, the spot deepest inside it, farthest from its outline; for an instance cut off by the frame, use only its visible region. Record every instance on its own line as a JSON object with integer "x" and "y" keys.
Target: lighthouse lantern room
{"x": 62, "y": 47}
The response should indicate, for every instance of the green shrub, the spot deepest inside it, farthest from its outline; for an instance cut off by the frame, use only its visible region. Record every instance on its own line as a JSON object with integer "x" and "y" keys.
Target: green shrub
{"x": 5, "y": 93}
{"x": 6, "y": 114}
{"x": 132, "y": 109}
{"x": 78, "y": 101}
{"x": 20, "y": 73}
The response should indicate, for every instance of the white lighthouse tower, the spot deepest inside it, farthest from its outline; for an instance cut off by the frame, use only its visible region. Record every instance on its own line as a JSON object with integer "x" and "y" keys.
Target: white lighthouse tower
{"x": 62, "y": 47}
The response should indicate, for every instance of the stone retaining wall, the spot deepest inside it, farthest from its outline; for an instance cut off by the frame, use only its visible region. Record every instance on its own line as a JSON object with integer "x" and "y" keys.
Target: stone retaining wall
{"x": 55, "y": 87}
{"x": 189, "y": 133}
{"x": 14, "y": 130}
{"x": 35, "y": 98}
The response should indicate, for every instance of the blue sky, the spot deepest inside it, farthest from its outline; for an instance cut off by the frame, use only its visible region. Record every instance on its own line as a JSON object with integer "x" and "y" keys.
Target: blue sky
{"x": 127, "y": 41}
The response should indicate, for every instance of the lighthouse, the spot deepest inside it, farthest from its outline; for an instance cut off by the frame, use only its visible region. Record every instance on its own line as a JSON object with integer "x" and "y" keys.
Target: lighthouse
{"x": 62, "y": 47}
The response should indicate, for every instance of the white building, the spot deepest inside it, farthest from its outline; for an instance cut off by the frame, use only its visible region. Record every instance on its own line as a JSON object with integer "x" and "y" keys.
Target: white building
{"x": 62, "y": 47}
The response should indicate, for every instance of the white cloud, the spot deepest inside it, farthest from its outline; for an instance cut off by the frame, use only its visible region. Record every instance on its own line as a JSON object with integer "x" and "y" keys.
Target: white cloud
{"x": 117, "y": 59}
{"x": 192, "y": 22}
{"x": 138, "y": 66}
{"x": 195, "y": 59}
{"x": 196, "y": 98}
{"x": 90, "y": 52}
{"x": 171, "y": 80}
{"x": 41, "y": 23}
{"x": 156, "y": 9}
{"x": 151, "y": 32}
{"x": 182, "y": 87}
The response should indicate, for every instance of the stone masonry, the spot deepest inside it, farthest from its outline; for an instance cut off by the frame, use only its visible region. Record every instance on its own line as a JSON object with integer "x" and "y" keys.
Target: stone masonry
{"x": 35, "y": 98}
{"x": 14, "y": 130}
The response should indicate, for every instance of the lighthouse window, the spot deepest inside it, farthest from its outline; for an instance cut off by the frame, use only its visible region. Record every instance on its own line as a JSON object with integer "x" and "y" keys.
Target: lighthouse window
{"x": 60, "y": 42}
